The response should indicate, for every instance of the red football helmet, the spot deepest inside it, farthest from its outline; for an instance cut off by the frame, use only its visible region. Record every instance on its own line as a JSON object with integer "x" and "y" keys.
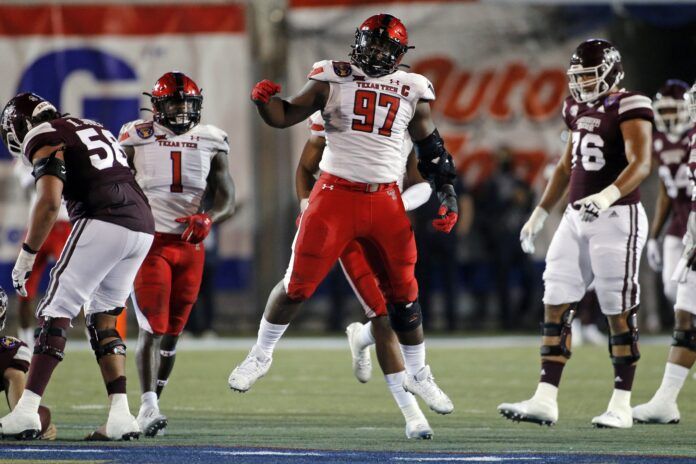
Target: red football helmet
{"x": 380, "y": 44}
{"x": 176, "y": 102}
{"x": 670, "y": 107}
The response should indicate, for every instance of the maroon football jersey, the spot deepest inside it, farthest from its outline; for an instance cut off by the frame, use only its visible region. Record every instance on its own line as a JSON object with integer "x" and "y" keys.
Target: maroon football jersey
{"x": 672, "y": 157}
{"x": 99, "y": 183}
{"x": 598, "y": 146}
{"x": 14, "y": 353}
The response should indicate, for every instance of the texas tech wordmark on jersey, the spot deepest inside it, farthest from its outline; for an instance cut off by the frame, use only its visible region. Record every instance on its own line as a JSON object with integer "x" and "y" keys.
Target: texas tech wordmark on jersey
{"x": 598, "y": 145}
{"x": 173, "y": 169}
{"x": 99, "y": 183}
{"x": 366, "y": 120}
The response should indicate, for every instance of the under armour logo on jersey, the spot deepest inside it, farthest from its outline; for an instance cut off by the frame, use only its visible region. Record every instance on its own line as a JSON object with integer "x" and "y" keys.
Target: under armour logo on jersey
{"x": 195, "y": 137}
{"x": 326, "y": 186}
{"x": 392, "y": 81}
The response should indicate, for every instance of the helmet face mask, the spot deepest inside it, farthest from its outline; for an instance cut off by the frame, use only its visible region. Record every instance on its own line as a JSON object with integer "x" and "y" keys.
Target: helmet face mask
{"x": 380, "y": 44}
{"x": 690, "y": 97}
{"x": 176, "y": 102}
{"x": 671, "y": 115}
{"x": 594, "y": 70}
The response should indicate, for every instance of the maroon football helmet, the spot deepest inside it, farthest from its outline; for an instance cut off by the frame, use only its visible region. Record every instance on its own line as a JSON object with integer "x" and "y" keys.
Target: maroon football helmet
{"x": 670, "y": 107}
{"x": 595, "y": 68}
{"x": 380, "y": 44}
{"x": 21, "y": 114}
{"x": 176, "y": 102}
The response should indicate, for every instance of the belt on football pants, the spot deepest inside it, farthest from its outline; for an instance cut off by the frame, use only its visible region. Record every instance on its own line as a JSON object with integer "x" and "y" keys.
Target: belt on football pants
{"x": 331, "y": 180}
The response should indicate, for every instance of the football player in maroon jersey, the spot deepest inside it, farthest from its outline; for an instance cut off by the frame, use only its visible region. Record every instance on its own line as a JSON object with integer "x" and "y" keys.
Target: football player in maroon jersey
{"x": 603, "y": 230}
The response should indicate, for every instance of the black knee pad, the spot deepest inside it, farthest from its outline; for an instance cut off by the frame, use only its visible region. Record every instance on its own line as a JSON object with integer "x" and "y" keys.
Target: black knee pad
{"x": 685, "y": 339}
{"x": 97, "y": 337}
{"x": 562, "y": 330}
{"x": 44, "y": 342}
{"x": 629, "y": 338}
{"x": 405, "y": 317}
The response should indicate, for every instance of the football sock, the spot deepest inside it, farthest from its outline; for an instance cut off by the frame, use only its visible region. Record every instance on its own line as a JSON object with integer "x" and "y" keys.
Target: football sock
{"x": 623, "y": 376}
{"x": 149, "y": 400}
{"x": 404, "y": 400}
{"x": 672, "y": 382}
{"x": 118, "y": 385}
{"x": 166, "y": 361}
{"x": 546, "y": 392}
{"x": 43, "y": 365}
{"x": 29, "y": 401}
{"x": 119, "y": 403}
{"x": 551, "y": 372}
{"x": 365, "y": 337}
{"x": 414, "y": 357}
{"x": 620, "y": 399}
{"x": 268, "y": 336}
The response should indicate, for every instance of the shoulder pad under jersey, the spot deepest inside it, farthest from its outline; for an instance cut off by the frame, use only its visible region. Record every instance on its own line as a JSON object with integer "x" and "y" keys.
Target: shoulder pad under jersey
{"x": 334, "y": 71}
{"x": 138, "y": 132}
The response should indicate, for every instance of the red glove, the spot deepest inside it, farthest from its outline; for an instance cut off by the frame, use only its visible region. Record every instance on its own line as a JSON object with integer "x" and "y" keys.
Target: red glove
{"x": 264, "y": 90}
{"x": 448, "y": 211}
{"x": 198, "y": 227}
{"x": 446, "y": 221}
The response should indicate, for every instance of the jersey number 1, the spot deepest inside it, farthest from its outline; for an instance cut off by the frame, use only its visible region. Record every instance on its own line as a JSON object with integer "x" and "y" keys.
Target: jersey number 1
{"x": 176, "y": 186}
{"x": 366, "y": 102}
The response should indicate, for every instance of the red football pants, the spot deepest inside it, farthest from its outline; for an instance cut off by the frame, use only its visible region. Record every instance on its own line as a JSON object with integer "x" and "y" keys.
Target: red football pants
{"x": 341, "y": 211}
{"x": 167, "y": 284}
{"x": 363, "y": 280}
{"x": 51, "y": 248}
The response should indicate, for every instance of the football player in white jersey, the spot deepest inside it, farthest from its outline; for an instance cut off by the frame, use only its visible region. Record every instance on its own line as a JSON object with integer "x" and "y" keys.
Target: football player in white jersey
{"x": 177, "y": 161}
{"x": 368, "y": 106}
{"x": 365, "y": 284}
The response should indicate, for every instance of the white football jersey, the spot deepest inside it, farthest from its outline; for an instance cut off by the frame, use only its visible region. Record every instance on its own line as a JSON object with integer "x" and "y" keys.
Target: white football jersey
{"x": 366, "y": 120}
{"x": 172, "y": 169}
{"x": 316, "y": 127}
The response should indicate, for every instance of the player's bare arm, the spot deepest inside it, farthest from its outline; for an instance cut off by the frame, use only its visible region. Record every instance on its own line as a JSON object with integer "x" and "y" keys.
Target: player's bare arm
{"x": 14, "y": 381}
{"x": 662, "y": 208}
{"x": 637, "y": 135}
{"x": 308, "y": 166}
{"x": 417, "y": 190}
{"x": 223, "y": 189}
{"x": 281, "y": 113}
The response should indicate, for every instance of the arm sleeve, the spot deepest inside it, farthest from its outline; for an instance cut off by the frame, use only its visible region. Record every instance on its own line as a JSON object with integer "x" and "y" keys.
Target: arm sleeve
{"x": 416, "y": 195}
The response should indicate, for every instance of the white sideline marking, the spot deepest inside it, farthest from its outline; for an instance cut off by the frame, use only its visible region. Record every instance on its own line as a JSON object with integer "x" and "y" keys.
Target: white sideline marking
{"x": 469, "y": 459}
{"x": 341, "y": 343}
{"x": 53, "y": 450}
{"x": 88, "y": 406}
{"x": 267, "y": 453}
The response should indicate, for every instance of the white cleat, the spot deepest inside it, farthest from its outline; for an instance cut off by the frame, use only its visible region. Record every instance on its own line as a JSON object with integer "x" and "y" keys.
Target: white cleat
{"x": 419, "y": 429}
{"x": 614, "y": 419}
{"x": 656, "y": 412}
{"x": 535, "y": 410}
{"x": 119, "y": 427}
{"x": 151, "y": 421}
{"x": 423, "y": 385}
{"x": 254, "y": 367}
{"x": 21, "y": 425}
{"x": 362, "y": 364}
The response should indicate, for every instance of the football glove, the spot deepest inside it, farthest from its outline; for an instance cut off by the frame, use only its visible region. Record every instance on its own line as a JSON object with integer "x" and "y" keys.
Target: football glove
{"x": 198, "y": 227}
{"x": 448, "y": 211}
{"x": 264, "y": 90}
{"x": 592, "y": 205}
{"x": 654, "y": 255}
{"x": 532, "y": 228}
{"x": 22, "y": 269}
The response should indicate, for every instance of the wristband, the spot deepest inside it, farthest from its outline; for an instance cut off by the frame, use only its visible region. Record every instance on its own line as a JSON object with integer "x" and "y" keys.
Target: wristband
{"x": 28, "y": 249}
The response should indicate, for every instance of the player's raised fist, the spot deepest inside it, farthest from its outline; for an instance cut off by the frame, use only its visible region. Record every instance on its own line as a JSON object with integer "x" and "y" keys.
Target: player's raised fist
{"x": 198, "y": 227}
{"x": 264, "y": 90}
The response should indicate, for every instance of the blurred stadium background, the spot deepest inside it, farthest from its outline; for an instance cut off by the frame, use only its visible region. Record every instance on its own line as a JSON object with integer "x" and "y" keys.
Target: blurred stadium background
{"x": 499, "y": 72}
